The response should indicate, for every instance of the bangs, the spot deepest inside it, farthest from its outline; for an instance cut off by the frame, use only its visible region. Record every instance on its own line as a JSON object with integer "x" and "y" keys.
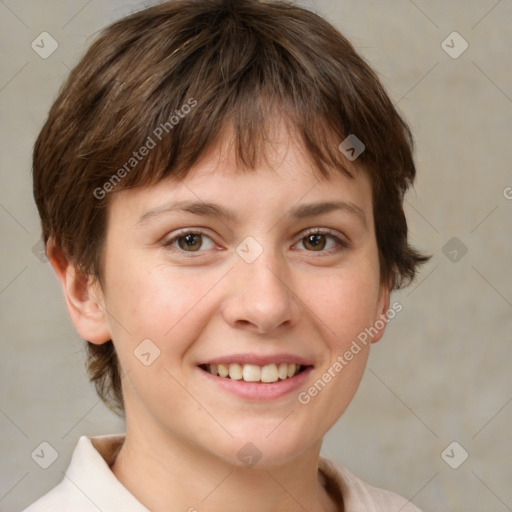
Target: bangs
{"x": 237, "y": 78}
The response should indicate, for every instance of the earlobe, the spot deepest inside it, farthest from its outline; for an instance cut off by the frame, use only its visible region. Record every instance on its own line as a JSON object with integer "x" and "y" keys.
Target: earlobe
{"x": 381, "y": 316}
{"x": 84, "y": 298}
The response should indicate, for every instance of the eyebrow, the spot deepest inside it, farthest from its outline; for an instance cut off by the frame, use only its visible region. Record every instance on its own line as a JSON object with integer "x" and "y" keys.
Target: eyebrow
{"x": 215, "y": 210}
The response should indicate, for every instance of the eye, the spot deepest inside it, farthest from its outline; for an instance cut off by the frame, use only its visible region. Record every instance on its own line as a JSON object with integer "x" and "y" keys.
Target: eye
{"x": 189, "y": 241}
{"x": 317, "y": 240}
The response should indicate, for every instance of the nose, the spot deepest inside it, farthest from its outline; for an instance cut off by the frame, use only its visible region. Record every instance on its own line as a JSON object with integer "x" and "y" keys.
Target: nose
{"x": 260, "y": 295}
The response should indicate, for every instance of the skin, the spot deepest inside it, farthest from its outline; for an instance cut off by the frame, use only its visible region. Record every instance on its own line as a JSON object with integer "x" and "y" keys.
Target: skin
{"x": 182, "y": 432}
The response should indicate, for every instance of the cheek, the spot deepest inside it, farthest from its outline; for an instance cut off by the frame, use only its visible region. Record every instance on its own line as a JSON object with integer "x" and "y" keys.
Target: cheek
{"x": 345, "y": 304}
{"x": 157, "y": 303}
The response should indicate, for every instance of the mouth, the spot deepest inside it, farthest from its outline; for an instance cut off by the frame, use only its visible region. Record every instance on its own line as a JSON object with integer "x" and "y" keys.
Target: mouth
{"x": 267, "y": 374}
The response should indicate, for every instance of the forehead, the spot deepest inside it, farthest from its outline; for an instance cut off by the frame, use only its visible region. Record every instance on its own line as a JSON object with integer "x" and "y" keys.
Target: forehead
{"x": 283, "y": 178}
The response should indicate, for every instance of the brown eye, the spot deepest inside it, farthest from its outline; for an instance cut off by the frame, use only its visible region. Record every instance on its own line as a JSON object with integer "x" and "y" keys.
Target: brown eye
{"x": 190, "y": 241}
{"x": 323, "y": 242}
{"x": 315, "y": 242}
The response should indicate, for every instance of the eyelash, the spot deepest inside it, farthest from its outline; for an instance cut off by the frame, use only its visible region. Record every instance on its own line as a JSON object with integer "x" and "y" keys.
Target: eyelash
{"x": 342, "y": 244}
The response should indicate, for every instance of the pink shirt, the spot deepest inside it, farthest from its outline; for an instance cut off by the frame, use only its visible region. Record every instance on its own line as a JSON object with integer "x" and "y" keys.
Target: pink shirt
{"x": 89, "y": 485}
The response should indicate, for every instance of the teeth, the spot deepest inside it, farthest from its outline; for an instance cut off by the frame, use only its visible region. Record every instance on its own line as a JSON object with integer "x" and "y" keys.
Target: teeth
{"x": 222, "y": 369}
{"x": 251, "y": 373}
{"x": 254, "y": 373}
{"x": 269, "y": 373}
{"x": 235, "y": 371}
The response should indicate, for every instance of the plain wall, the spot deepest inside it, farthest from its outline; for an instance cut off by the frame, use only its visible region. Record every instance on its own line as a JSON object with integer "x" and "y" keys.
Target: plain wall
{"x": 442, "y": 371}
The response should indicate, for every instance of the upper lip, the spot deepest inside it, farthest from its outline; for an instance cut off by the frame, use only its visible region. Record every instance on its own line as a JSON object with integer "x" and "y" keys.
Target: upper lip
{"x": 258, "y": 359}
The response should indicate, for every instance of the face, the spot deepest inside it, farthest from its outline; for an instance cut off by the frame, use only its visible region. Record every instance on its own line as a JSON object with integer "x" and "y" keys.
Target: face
{"x": 242, "y": 272}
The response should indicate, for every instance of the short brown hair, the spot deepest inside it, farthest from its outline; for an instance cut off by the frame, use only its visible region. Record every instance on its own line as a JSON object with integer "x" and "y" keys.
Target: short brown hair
{"x": 233, "y": 63}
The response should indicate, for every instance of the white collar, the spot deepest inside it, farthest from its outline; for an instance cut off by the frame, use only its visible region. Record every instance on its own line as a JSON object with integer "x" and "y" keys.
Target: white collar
{"x": 89, "y": 472}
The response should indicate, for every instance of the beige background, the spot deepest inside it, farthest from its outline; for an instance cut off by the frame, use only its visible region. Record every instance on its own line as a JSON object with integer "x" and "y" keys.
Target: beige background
{"x": 442, "y": 373}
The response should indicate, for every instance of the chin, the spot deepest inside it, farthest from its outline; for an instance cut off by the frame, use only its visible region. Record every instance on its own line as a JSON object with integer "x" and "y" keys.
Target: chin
{"x": 264, "y": 451}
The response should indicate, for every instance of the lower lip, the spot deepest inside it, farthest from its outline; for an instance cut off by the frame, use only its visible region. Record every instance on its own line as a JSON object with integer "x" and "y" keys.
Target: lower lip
{"x": 259, "y": 391}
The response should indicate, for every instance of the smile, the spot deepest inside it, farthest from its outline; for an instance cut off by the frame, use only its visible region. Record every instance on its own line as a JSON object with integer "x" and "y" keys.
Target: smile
{"x": 254, "y": 373}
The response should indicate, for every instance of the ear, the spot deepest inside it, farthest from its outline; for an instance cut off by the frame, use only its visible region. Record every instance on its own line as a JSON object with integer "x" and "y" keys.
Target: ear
{"x": 381, "y": 314}
{"x": 84, "y": 298}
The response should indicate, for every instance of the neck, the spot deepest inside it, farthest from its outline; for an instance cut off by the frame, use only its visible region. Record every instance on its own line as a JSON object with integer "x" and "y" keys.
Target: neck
{"x": 166, "y": 473}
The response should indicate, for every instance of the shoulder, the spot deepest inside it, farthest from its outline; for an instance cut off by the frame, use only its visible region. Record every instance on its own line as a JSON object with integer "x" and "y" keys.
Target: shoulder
{"x": 359, "y": 496}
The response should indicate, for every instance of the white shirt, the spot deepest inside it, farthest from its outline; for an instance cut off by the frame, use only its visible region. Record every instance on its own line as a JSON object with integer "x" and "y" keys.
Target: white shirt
{"x": 90, "y": 486}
